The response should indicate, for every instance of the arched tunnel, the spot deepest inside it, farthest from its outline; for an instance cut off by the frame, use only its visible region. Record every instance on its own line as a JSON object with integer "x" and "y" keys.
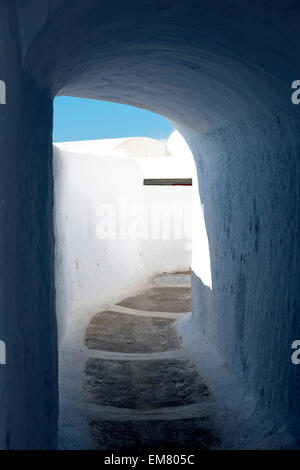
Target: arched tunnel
{"x": 221, "y": 72}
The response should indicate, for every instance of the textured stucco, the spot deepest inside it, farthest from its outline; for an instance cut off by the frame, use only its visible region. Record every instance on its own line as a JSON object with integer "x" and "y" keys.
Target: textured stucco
{"x": 251, "y": 222}
{"x": 28, "y": 391}
{"x": 221, "y": 71}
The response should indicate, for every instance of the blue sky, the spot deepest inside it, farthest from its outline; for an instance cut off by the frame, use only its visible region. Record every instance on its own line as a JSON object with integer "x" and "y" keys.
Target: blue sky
{"x": 82, "y": 119}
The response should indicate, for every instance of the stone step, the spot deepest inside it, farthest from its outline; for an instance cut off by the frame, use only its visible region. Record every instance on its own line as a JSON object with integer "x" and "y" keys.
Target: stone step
{"x": 140, "y": 391}
{"x": 116, "y": 332}
{"x": 117, "y": 356}
{"x": 172, "y": 280}
{"x": 147, "y": 313}
{"x": 162, "y": 299}
{"x": 144, "y": 385}
{"x": 161, "y": 435}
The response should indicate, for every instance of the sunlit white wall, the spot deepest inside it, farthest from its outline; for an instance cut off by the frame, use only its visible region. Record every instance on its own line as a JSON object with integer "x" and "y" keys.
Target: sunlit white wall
{"x": 112, "y": 232}
{"x": 178, "y": 147}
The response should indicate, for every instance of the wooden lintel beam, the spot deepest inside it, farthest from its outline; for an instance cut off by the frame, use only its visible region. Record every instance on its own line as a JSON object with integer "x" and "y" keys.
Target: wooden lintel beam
{"x": 168, "y": 182}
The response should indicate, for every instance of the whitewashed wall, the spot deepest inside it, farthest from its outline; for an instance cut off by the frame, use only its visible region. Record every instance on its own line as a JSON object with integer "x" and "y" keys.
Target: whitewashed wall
{"x": 221, "y": 71}
{"x": 91, "y": 190}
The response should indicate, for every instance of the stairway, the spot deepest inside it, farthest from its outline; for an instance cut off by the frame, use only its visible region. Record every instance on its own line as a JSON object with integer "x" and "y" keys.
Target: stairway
{"x": 142, "y": 392}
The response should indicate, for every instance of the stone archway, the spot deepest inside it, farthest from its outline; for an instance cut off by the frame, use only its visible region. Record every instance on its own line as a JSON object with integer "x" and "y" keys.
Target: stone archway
{"x": 221, "y": 71}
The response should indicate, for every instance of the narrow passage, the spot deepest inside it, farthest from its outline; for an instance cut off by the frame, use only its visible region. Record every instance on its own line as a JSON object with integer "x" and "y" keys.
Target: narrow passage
{"x": 143, "y": 391}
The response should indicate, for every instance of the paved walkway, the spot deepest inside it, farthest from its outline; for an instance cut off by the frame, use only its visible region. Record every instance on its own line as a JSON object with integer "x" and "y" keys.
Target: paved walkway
{"x": 142, "y": 392}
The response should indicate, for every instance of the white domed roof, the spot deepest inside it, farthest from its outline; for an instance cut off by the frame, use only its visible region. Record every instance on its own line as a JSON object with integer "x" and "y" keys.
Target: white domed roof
{"x": 141, "y": 147}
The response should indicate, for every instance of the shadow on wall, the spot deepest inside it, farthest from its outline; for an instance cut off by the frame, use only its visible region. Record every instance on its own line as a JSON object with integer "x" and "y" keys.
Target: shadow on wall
{"x": 223, "y": 68}
{"x": 201, "y": 304}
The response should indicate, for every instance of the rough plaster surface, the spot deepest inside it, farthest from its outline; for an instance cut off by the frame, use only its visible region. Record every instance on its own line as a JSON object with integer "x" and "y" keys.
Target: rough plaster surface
{"x": 252, "y": 234}
{"x": 221, "y": 72}
{"x": 28, "y": 389}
